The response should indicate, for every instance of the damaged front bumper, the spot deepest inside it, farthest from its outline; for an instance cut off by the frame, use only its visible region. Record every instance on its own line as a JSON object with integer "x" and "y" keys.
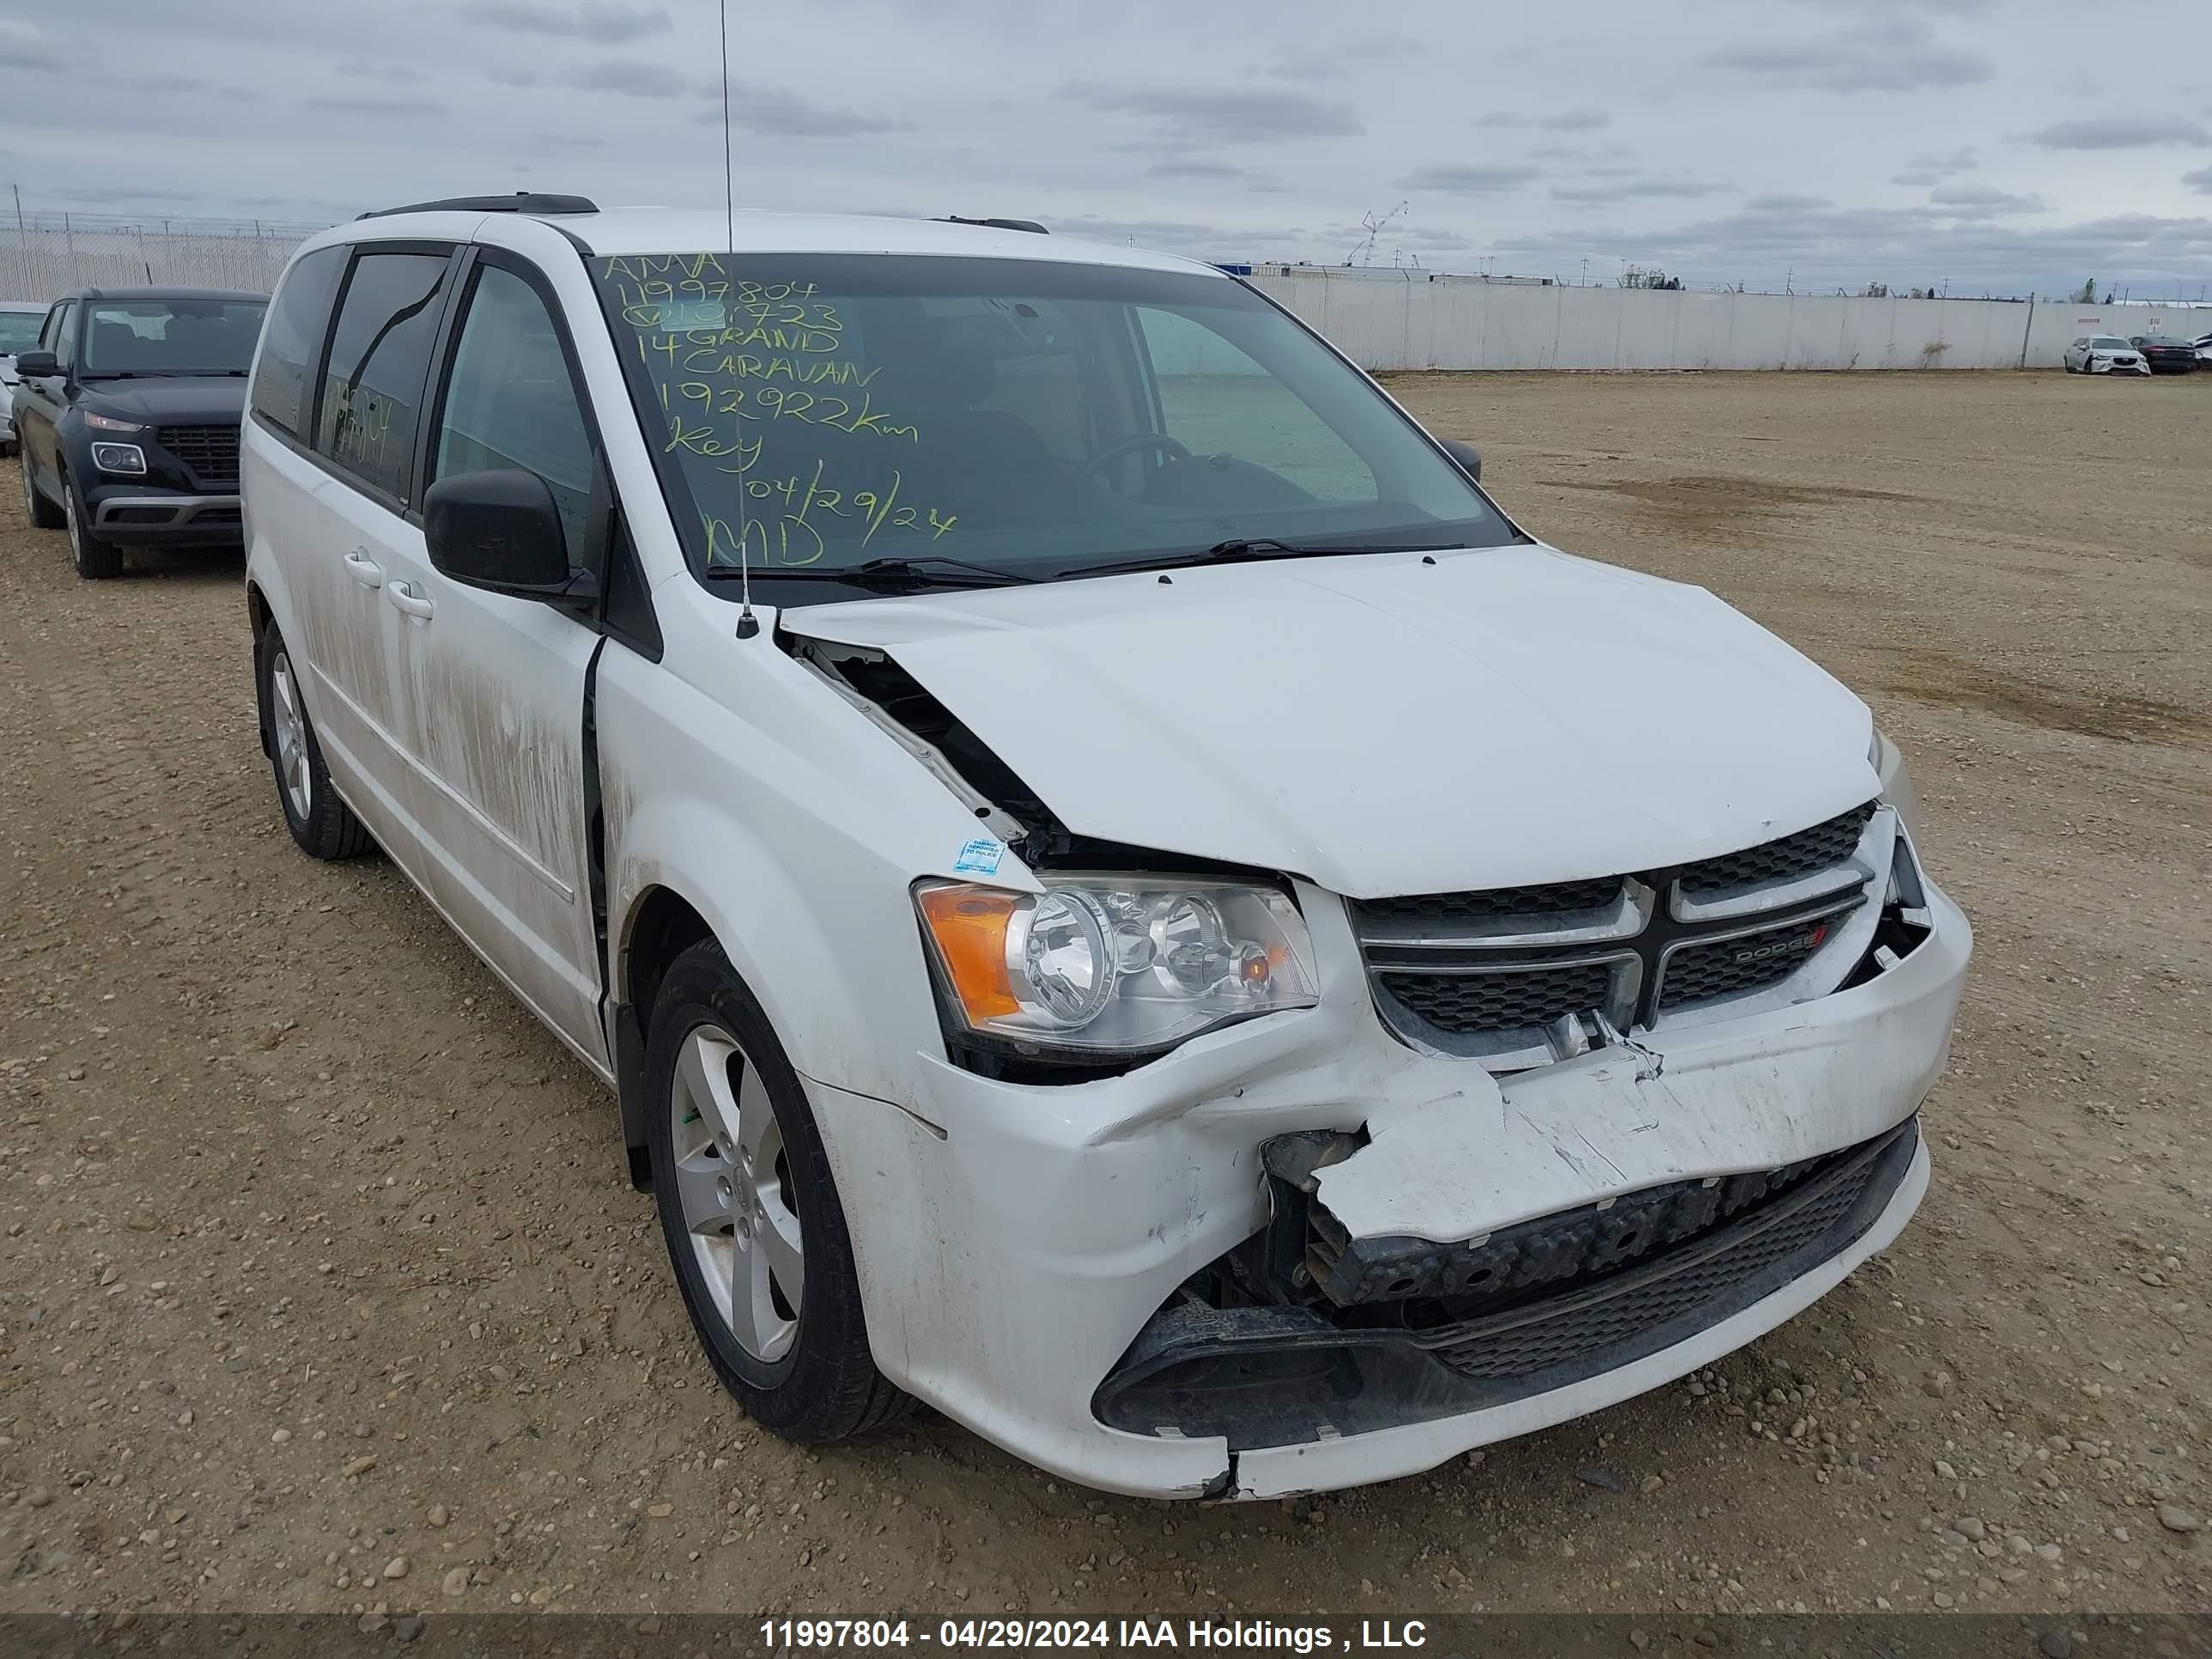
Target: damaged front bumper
{"x": 1112, "y": 1268}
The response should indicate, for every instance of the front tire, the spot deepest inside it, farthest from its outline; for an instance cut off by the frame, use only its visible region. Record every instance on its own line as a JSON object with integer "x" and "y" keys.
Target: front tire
{"x": 42, "y": 512}
{"x": 95, "y": 560}
{"x": 750, "y": 1213}
{"x": 323, "y": 825}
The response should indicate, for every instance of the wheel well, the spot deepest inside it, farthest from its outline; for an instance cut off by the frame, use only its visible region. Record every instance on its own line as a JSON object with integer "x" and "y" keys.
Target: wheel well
{"x": 665, "y": 927}
{"x": 256, "y": 610}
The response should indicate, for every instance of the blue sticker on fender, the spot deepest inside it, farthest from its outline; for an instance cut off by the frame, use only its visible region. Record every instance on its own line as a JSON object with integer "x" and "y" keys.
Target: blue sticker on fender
{"x": 979, "y": 857}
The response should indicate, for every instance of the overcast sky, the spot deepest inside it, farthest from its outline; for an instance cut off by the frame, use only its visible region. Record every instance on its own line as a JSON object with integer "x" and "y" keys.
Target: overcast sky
{"x": 2005, "y": 145}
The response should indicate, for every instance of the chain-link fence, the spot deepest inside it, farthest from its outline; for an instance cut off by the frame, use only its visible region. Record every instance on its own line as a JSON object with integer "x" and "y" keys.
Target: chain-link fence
{"x": 43, "y": 254}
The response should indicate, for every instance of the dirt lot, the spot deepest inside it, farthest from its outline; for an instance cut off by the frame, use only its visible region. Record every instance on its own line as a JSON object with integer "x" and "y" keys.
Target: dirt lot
{"x": 321, "y": 1287}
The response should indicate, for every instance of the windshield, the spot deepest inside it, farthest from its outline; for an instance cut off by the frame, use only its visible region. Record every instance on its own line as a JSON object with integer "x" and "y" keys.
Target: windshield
{"x": 2106, "y": 342}
{"x": 19, "y": 331}
{"x": 169, "y": 336}
{"x": 2160, "y": 340}
{"x": 1021, "y": 416}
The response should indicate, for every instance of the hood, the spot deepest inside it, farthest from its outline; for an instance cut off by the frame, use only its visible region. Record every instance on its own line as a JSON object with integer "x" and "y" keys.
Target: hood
{"x": 171, "y": 400}
{"x": 1382, "y": 726}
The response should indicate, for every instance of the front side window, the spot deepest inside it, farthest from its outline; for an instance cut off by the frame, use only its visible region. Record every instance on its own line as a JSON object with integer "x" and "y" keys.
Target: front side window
{"x": 379, "y": 357}
{"x": 293, "y": 337}
{"x": 136, "y": 337}
{"x": 511, "y": 402}
{"x": 1028, "y": 416}
{"x": 61, "y": 339}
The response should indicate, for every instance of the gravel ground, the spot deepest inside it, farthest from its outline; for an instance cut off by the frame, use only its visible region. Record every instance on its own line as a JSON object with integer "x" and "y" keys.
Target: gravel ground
{"x": 321, "y": 1287}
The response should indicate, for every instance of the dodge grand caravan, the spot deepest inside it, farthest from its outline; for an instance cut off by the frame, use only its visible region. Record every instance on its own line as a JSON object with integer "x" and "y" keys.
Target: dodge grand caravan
{"x": 1119, "y": 893}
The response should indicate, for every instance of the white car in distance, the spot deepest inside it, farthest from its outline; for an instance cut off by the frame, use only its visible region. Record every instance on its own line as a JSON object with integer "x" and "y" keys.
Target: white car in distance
{"x": 1118, "y": 893}
{"x": 20, "y": 320}
{"x": 2105, "y": 354}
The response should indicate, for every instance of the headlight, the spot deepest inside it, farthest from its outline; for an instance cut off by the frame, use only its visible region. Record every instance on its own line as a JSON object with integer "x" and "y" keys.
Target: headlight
{"x": 1889, "y": 763}
{"x": 119, "y": 457}
{"x": 1115, "y": 963}
{"x": 109, "y": 423}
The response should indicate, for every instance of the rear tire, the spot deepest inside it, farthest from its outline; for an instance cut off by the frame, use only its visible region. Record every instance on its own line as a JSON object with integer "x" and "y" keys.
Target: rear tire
{"x": 42, "y": 512}
{"x": 743, "y": 1184}
{"x": 95, "y": 560}
{"x": 323, "y": 825}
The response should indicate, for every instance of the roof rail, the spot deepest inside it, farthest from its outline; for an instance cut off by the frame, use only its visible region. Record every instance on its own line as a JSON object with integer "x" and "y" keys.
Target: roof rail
{"x": 523, "y": 201}
{"x": 1029, "y": 225}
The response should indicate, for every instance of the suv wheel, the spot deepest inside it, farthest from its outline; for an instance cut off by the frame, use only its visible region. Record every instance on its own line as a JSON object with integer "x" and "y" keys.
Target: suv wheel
{"x": 95, "y": 560}
{"x": 42, "y": 512}
{"x": 751, "y": 1214}
{"x": 324, "y": 825}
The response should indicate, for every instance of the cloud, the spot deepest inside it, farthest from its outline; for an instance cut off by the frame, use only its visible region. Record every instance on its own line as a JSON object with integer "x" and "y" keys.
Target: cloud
{"x": 1565, "y": 120}
{"x": 1223, "y": 114}
{"x": 397, "y": 75}
{"x": 2119, "y": 132}
{"x": 1934, "y": 167}
{"x": 2200, "y": 180}
{"x": 1782, "y": 202}
{"x": 378, "y": 106}
{"x": 509, "y": 75}
{"x": 774, "y": 113}
{"x": 631, "y": 79}
{"x": 1461, "y": 180}
{"x": 1630, "y": 190}
{"x": 609, "y": 24}
{"x": 29, "y": 54}
{"x": 1978, "y": 199}
{"x": 1336, "y": 63}
{"x": 1895, "y": 54}
{"x": 1199, "y": 166}
{"x": 1175, "y": 236}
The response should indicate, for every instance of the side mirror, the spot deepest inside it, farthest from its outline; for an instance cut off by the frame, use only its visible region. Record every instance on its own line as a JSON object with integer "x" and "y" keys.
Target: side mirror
{"x": 36, "y": 365}
{"x": 502, "y": 531}
{"x": 1469, "y": 457}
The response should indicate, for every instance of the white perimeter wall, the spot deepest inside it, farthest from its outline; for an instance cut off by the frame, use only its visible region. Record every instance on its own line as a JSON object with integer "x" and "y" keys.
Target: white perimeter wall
{"x": 1422, "y": 321}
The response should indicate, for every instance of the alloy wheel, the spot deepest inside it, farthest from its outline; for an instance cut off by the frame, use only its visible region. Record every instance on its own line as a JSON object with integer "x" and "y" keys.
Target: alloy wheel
{"x": 291, "y": 723}
{"x": 733, "y": 1185}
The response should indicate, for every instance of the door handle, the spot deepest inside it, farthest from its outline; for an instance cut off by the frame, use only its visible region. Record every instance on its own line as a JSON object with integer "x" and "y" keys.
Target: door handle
{"x": 364, "y": 570}
{"x": 410, "y": 598}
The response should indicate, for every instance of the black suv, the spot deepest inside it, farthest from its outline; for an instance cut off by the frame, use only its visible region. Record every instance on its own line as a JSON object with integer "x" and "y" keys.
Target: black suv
{"x": 127, "y": 416}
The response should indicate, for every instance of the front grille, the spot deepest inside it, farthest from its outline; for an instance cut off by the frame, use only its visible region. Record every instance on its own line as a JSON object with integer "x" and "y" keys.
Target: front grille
{"x": 1822, "y": 848}
{"x": 1546, "y": 1336}
{"x": 211, "y": 452}
{"x": 1730, "y": 967}
{"x": 1556, "y": 898}
{"x": 1667, "y": 939}
{"x": 1502, "y": 1001}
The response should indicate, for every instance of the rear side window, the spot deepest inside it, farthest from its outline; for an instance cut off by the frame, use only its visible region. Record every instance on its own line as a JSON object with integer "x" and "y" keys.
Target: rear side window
{"x": 511, "y": 401}
{"x": 293, "y": 338}
{"x": 380, "y": 354}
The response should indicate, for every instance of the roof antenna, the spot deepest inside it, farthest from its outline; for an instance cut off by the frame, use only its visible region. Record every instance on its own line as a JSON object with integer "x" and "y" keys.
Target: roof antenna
{"x": 748, "y": 624}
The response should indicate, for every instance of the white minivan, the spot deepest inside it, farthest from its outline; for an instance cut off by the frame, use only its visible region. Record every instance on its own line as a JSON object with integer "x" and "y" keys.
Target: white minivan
{"x": 1120, "y": 895}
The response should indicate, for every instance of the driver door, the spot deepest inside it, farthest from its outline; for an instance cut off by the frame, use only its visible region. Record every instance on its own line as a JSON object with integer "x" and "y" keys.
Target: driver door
{"x": 493, "y": 683}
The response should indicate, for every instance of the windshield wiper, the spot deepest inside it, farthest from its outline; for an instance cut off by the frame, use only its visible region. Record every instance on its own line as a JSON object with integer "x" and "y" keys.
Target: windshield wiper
{"x": 1238, "y": 551}
{"x": 890, "y": 575}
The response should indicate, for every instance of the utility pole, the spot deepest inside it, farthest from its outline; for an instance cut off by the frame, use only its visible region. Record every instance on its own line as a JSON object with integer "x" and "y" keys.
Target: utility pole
{"x": 18, "y": 189}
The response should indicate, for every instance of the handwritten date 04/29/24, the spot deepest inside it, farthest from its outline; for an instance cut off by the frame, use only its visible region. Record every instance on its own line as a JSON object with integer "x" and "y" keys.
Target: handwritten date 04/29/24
{"x": 787, "y": 532}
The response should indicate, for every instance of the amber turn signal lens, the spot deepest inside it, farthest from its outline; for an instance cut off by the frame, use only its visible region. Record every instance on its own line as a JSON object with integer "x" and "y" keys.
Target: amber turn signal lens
{"x": 969, "y": 928}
